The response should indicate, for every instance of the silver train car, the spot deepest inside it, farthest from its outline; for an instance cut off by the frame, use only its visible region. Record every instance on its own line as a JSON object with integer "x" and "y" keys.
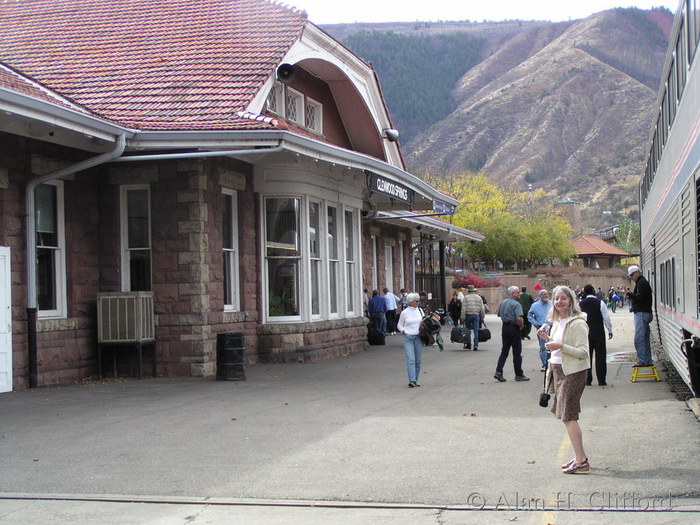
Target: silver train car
{"x": 669, "y": 195}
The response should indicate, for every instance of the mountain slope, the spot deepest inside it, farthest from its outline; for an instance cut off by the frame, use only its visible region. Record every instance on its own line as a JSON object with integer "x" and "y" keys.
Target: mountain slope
{"x": 563, "y": 106}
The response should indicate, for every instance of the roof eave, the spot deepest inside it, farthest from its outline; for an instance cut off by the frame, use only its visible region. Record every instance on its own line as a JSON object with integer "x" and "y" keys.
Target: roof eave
{"x": 212, "y": 140}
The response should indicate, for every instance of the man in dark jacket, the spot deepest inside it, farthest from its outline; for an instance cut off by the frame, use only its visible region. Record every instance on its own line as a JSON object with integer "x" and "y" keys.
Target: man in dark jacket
{"x": 526, "y": 302}
{"x": 377, "y": 311}
{"x": 598, "y": 319}
{"x": 640, "y": 298}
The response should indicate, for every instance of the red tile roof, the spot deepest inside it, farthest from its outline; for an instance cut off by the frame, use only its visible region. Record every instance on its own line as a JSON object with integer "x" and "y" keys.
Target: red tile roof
{"x": 12, "y": 81}
{"x": 590, "y": 245}
{"x": 152, "y": 64}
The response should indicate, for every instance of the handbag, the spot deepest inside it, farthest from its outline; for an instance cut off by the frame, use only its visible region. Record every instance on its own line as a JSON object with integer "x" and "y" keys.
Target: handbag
{"x": 484, "y": 333}
{"x": 544, "y": 396}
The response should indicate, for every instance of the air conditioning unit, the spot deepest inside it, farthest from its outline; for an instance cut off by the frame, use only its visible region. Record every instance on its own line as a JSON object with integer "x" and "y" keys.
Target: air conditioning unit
{"x": 125, "y": 317}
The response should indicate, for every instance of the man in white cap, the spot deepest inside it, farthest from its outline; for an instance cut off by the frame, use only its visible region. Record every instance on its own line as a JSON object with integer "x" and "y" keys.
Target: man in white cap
{"x": 640, "y": 298}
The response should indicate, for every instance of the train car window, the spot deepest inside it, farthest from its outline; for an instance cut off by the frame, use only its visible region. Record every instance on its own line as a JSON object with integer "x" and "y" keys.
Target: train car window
{"x": 674, "y": 302}
{"x": 662, "y": 286}
{"x": 681, "y": 63}
{"x": 693, "y": 30}
{"x": 672, "y": 93}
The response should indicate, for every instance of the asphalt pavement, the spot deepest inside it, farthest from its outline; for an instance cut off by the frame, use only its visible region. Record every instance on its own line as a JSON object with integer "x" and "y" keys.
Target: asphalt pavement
{"x": 346, "y": 441}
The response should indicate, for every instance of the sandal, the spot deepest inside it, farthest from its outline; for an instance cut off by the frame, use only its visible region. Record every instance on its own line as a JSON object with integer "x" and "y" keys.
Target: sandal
{"x": 567, "y": 465}
{"x": 577, "y": 467}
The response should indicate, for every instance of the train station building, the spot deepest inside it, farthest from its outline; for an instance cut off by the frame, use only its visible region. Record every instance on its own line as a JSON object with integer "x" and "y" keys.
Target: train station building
{"x": 166, "y": 177}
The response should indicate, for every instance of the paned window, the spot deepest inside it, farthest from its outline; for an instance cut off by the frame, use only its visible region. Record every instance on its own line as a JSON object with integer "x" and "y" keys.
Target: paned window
{"x": 50, "y": 250}
{"x": 351, "y": 285}
{"x": 313, "y": 112}
{"x": 136, "y": 238}
{"x": 293, "y": 106}
{"x": 230, "y": 248}
{"x": 282, "y": 256}
{"x": 315, "y": 256}
{"x": 275, "y": 99}
{"x": 333, "y": 261}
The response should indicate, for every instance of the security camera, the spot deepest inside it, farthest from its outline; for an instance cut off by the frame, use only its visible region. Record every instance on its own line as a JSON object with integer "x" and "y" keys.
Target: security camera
{"x": 391, "y": 134}
{"x": 285, "y": 73}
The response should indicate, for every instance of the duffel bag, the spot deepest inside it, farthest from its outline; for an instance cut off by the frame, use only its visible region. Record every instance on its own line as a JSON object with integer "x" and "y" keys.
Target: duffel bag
{"x": 458, "y": 334}
{"x": 484, "y": 333}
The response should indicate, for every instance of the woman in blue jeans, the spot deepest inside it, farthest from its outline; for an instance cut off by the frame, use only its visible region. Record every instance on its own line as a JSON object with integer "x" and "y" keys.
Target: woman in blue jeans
{"x": 409, "y": 324}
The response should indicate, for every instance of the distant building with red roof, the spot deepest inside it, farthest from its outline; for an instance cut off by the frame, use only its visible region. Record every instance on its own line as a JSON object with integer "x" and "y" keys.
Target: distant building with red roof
{"x": 594, "y": 252}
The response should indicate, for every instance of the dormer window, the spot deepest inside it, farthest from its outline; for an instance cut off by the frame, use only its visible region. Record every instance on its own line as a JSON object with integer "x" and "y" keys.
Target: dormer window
{"x": 293, "y": 103}
{"x": 275, "y": 99}
{"x": 313, "y": 115}
{"x": 295, "y": 107}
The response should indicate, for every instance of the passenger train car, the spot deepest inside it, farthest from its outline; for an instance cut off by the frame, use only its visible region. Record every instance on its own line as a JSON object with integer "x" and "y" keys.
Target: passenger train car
{"x": 670, "y": 200}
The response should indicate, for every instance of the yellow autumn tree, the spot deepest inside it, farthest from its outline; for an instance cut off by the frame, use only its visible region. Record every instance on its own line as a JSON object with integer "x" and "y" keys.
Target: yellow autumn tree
{"x": 520, "y": 228}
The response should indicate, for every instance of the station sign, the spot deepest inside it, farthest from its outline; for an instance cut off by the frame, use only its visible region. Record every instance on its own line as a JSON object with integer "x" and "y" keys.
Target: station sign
{"x": 390, "y": 188}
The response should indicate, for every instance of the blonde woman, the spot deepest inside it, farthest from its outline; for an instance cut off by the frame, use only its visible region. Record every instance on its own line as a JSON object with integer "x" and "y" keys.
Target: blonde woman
{"x": 567, "y": 343}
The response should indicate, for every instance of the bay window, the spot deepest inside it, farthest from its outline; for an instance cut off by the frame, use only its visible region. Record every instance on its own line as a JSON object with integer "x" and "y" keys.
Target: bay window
{"x": 311, "y": 259}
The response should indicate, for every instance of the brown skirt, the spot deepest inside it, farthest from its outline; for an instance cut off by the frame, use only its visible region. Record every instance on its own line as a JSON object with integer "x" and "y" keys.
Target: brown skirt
{"x": 568, "y": 392}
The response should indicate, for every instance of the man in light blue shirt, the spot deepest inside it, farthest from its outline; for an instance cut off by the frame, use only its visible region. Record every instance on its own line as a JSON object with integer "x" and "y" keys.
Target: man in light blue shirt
{"x": 391, "y": 304}
{"x": 537, "y": 317}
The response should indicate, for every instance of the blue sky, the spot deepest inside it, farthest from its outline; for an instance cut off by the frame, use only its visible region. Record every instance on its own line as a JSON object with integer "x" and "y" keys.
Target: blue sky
{"x": 348, "y": 11}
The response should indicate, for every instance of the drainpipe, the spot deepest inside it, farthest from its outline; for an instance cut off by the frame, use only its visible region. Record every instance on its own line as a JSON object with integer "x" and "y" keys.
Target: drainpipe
{"x": 31, "y": 243}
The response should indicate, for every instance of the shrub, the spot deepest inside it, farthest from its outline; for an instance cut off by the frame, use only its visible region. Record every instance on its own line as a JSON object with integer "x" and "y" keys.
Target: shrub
{"x": 462, "y": 281}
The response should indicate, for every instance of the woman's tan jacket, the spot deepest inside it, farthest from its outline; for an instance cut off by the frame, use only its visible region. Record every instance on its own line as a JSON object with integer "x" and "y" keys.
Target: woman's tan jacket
{"x": 574, "y": 354}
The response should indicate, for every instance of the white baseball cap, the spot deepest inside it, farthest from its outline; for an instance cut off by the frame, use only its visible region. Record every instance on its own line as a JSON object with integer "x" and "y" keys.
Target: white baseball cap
{"x": 632, "y": 269}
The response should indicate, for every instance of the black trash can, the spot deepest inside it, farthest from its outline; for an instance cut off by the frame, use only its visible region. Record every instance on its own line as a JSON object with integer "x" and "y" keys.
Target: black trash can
{"x": 230, "y": 356}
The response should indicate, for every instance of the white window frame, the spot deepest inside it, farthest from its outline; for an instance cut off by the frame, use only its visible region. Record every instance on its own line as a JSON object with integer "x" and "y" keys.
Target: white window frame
{"x": 292, "y": 95}
{"x": 317, "y": 127}
{"x": 277, "y": 103}
{"x": 336, "y": 263}
{"x": 59, "y": 258}
{"x": 316, "y": 260}
{"x": 352, "y": 283}
{"x": 123, "y": 212}
{"x": 231, "y": 256}
{"x": 302, "y": 241}
{"x": 276, "y": 95}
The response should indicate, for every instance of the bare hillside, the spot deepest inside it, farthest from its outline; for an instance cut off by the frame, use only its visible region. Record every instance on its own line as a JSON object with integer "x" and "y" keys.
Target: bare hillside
{"x": 566, "y": 107}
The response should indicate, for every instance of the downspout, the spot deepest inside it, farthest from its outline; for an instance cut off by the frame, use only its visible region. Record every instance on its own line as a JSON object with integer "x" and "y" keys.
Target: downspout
{"x": 31, "y": 243}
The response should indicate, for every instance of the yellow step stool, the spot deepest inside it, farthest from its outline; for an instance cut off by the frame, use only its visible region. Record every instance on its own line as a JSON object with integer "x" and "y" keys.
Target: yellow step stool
{"x": 649, "y": 371}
